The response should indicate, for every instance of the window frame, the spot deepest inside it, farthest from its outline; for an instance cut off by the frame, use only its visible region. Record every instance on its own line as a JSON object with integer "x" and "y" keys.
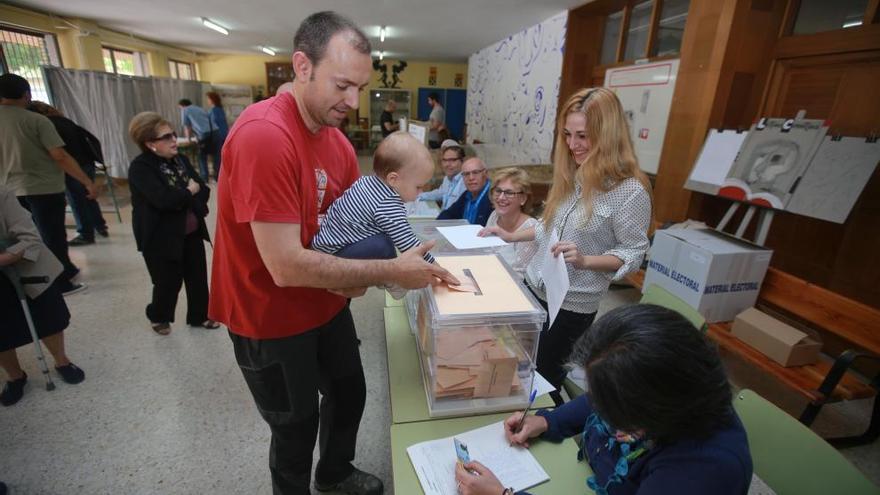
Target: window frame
{"x": 175, "y": 74}
{"x": 113, "y": 51}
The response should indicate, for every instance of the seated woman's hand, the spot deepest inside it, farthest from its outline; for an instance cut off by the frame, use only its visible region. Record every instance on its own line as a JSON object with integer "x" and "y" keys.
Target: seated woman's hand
{"x": 494, "y": 230}
{"x": 483, "y": 482}
{"x": 7, "y": 258}
{"x": 532, "y": 427}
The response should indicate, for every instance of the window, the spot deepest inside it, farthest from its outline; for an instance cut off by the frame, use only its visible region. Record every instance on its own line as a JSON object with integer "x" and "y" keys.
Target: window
{"x": 609, "y": 40}
{"x": 181, "y": 70}
{"x": 23, "y": 53}
{"x": 670, "y": 29}
{"x": 637, "y": 36}
{"x": 814, "y": 16}
{"x": 121, "y": 62}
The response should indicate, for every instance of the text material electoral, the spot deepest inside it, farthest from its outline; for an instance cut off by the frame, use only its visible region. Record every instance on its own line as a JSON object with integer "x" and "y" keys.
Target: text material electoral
{"x": 434, "y": 461}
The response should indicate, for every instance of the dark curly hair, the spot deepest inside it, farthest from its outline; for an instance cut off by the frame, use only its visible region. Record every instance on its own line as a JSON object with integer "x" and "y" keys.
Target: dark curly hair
{"x": 649, "y": 369}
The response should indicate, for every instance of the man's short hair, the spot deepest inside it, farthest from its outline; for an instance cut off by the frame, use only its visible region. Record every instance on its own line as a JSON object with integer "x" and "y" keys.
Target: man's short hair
{"x": 316, "y": 30}
{"x": 184, "y": 102}
{"x": 434, "y": 96}
{"x": 13, "y": 86}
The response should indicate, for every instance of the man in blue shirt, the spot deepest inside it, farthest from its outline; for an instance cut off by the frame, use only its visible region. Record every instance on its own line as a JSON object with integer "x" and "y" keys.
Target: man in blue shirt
{"x": 474, "y": 205}
{"x": 451, "y": 158}
{"x": 197, "y": 123}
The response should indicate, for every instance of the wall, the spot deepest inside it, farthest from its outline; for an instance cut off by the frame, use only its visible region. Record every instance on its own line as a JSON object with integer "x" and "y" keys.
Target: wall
{"x": 513, "y": 90}
{"x": 80, "y": 41}
{"x": 249, "y": 70}
{"x": 415, "y": 76}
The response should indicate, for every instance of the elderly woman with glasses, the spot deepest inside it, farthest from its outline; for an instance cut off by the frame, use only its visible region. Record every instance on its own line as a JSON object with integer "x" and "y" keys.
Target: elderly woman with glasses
{"x": 511, "y": 197}
{"x": 169, "y": 204}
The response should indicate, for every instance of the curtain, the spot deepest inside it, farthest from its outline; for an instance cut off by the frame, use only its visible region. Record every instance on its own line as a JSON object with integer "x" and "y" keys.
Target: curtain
{"x": 105, "y": 103}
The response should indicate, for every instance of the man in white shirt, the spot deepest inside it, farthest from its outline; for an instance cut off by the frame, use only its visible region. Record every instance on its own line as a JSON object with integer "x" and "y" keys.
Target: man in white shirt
{"x": 452, "y": 187}
{"x": 436, "y": 121}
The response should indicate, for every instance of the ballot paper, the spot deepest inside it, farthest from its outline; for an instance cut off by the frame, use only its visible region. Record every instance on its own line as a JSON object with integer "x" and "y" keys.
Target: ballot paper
{"x": 555, "y": 275}
{"x": 434, "y": 461}
{"x": 465, "y": 237}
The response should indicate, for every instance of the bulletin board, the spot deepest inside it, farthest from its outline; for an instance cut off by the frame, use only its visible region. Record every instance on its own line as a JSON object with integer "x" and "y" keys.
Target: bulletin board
{"x": 645, "y": 91}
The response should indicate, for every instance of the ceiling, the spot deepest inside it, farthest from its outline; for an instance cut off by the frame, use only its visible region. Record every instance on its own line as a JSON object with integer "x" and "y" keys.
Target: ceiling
{"x": 417, "y": 29}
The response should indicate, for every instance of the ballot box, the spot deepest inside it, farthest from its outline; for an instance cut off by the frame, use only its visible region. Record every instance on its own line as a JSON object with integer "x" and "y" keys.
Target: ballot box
{"x": 477, "y": 341}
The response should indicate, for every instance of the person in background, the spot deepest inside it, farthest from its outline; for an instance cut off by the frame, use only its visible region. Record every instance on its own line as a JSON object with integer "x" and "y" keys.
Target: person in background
{"x": 436, "y": 121}
{"x": 169, "y": 204}
{"x": 475, "y": 204}
{"x": 86, "y": 150}
{"x": 386, "y": 120}
{"x": 218, "y": 119}
{"x": 287, "y": 306}
{"x": 198, "y": 123}
{"x": 658, "y": 417}
{"x": 452, "y": 187}
{"x": 511, "y": 195}
{"x": 32, "y": 164}
{"x": 22, "y": 249}
{"x": 600, "y": 208}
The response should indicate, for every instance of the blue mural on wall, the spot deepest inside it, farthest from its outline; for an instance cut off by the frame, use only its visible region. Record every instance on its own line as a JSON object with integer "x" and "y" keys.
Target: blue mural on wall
{"x": 513, "y": 90}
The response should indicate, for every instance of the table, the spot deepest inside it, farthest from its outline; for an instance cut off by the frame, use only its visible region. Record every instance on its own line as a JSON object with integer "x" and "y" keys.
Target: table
{"x": 559, "y": 460}
{"x": 408, "y": 401}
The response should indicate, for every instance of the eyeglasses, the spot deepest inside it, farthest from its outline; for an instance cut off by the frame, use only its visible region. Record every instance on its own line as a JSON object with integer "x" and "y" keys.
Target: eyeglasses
{"x": 170, "y": 136}
{"x": 505, "y": 192}
{"x": 473, "y": 172}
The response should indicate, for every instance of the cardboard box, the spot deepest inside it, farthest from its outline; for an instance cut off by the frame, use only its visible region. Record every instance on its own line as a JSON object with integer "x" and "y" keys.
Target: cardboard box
{"x": 780, "y": 342}
{"x": 716, "y": 274}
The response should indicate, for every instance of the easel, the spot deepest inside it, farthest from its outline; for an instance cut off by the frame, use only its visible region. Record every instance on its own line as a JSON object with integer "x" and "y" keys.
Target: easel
{"x": 764, "y": 221}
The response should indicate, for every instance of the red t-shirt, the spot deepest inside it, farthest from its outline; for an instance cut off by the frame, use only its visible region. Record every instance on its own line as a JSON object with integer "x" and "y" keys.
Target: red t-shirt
{"x": 274, "y": 170}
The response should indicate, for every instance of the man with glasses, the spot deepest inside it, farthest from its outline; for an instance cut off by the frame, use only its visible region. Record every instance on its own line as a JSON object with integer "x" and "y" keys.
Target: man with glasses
{"x": 474, "y": 205}
{"x": 452, "y": 187}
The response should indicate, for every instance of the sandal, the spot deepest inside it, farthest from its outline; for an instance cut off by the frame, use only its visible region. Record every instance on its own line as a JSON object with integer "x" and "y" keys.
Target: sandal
{"x": 161, "y": 328}
{"x": 210, "y": 324}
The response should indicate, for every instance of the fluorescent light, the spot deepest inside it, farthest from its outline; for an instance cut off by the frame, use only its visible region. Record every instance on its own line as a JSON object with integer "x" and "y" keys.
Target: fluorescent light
{"x": 216, "y": 27}
{"x": 382, "y": 34}
{"x": 381, "y": 55}
{"x": 852, "y": 24}
{"x": 267, "y": 50}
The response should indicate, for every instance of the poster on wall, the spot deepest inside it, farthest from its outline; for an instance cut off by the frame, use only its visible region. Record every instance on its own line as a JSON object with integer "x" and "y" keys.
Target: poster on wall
{"x": 645, "y": 91}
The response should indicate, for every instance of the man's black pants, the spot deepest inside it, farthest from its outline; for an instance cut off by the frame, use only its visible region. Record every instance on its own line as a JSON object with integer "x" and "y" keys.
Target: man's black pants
{"x": 284, "y": 376}
{"x": 47, "y": 211}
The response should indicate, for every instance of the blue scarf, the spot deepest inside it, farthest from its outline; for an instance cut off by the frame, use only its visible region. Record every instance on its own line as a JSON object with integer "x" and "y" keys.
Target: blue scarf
{"x": 472, "y": 206}
{"x": 629, "y": 451}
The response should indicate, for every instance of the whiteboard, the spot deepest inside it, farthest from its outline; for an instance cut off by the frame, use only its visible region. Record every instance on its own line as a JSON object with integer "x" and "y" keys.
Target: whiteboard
{"x": 645, "y": 91}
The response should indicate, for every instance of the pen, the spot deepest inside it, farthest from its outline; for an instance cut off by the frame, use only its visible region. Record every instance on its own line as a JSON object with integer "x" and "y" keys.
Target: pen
{"x": 526, "y": 412}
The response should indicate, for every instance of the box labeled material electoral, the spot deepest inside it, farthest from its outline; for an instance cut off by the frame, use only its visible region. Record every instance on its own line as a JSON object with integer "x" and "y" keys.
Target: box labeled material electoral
{"x": 716, "y": 274}
{"x": 780, "y": 342}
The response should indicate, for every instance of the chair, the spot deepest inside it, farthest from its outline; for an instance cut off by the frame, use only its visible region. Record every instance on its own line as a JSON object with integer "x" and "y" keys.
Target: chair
{"x": 655, "y": 294}
{"x": 792, "y": 459}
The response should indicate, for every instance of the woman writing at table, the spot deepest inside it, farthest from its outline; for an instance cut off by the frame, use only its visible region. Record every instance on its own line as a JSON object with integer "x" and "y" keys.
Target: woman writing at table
{"x": 657, "y": 419}
{"x": 510, "y": 196}
{"x": 599, "y": 206}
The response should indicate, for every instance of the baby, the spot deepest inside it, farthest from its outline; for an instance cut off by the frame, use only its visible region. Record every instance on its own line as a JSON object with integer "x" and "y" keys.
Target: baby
{"x": 369, "y": 220}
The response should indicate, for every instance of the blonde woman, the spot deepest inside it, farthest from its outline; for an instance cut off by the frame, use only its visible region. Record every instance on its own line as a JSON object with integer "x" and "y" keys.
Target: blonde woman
{"x": 600, "y": 208}
{"x": 512, "y": 195}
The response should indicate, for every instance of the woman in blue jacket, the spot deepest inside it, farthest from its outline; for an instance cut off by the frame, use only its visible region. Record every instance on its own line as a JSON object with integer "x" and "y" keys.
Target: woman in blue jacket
{"x": 657, "y": 419}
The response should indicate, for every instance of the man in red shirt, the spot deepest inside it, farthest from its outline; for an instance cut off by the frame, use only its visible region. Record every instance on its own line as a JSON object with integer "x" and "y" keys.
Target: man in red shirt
{"x": 285, "y": 305}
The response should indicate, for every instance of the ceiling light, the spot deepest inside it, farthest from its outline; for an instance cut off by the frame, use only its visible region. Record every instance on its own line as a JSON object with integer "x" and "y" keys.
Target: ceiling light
{"x": 381, "y": 55}
{"x": 216, "y": 27}
{"x": 852, "y": 24}
{"x": 382, "y": 34}
{"x": 267, "y": 50}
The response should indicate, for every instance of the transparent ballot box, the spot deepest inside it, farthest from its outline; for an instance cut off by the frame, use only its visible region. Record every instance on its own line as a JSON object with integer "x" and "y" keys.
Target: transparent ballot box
{"x": 477, "y": 342}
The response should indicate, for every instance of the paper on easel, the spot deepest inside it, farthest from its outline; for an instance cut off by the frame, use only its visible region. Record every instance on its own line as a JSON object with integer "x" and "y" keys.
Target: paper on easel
{"x": 715, "y": 160}
{"x": 555, "y": 275}
{"x": 434, "y": 461}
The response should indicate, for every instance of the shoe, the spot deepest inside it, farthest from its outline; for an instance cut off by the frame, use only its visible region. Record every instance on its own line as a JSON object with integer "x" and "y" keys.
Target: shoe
{"x": 209, "y": 324}
{"x": 71, "y": 373}
{"x": 2, "y": 488}
{"x": 357, "y": 483}
{"x": 13, "y": 391}
{"x": 103, "y": 232}
{"x": 80, "y": 241}
{"x": 73, "y": 288}
{"x": 162, "y": 328}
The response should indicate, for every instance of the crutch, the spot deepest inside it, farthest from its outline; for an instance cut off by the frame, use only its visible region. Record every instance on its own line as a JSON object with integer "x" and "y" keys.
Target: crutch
{"x": 18, "y": 283}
